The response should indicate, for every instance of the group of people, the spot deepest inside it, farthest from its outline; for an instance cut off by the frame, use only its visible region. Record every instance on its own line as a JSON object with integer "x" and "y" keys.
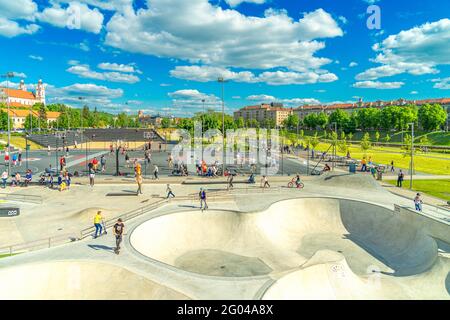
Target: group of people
{"x": 118, "y": 230}
{"x": 16, "y": 179}
{"x": 16, "y": 159}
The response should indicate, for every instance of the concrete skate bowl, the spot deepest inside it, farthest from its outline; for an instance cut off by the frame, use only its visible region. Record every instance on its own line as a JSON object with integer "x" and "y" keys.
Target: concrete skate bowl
{"x": 283, "y": 237}
{"x": 79, "y": 280}
{"x": 327, "y": 276}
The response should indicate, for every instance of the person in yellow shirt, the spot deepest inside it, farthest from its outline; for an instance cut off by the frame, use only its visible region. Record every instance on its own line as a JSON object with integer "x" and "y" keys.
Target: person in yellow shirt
{"x": 98, "y": 224}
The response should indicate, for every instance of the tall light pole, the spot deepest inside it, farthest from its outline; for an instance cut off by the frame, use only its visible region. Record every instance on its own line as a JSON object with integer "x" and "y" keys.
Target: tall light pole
{"x": 411, "y": 164}
{"x": 81, "y": 120}
{"x": 334, "y": 145}
{"x": 222, "y": 81}
{"x": 8, "y": 75}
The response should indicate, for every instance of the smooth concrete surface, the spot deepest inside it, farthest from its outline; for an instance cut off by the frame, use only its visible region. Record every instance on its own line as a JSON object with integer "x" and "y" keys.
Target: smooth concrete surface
{"x": 272, "y": 244}
{"x": 283, "y": 237}
{"x": 79, "y": 280}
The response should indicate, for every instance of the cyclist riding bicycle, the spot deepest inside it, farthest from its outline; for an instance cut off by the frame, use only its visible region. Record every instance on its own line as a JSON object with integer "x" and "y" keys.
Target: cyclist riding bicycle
{"x": 298, "y": 181}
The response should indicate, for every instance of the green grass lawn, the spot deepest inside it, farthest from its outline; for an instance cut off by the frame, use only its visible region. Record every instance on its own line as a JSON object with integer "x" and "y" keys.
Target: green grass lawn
{"x": 7, "y": 255}
{"x": 437, "y": 188}
{"x": 19, "y": 142}
{"x": 384, "y": 155}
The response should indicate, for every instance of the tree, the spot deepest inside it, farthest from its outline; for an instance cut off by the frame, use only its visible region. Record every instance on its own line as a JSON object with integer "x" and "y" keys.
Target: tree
{"x": 387, "y": 138}
{"x": 341, "y": 118}
{"x": 322, "y": 120}
{"x": 291, "y": 122}
{"x": 365, "y": 143}
{"x": 165, "y": 123}
{"x": 377, "y": 136}
{"x": 31, "y": 122}
{"x": 42, "y": 120}
{"x": 4, "y": 120}
{"x": 432, "y": 117}
{"x": 240, "y": 122}
{"x": 350, "y": 136}
{"x": 368, "y": 118}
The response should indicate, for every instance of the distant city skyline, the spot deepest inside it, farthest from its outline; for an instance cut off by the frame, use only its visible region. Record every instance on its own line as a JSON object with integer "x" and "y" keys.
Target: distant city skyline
{"x": 125, "y": 55}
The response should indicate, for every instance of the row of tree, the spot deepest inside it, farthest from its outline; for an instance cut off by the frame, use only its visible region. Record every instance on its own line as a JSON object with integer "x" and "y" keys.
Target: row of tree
{"x": 429, "y": 117}
{"x": 71, "y": 118}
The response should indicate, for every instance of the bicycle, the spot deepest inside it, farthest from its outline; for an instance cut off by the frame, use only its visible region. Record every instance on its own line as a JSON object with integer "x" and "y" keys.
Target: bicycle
{"x": 293, "y": 183}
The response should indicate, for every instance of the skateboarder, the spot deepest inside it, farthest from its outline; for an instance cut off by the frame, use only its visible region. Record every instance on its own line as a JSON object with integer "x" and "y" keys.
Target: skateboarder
{"x": 118, "y": 233}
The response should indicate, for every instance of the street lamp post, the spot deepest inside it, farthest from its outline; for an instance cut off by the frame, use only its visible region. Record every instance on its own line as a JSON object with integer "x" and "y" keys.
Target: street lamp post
{"x": 334, "y": 146}
{"x": 26, "y": 150}
{"x": 222, "y": 81}
{"x": 8, "y": 75}
{"x": 411, "y": 164}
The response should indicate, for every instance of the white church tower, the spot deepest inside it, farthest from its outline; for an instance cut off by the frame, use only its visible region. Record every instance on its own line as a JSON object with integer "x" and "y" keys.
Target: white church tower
{"x": 22, "y": 85}
{"x": 40, "y": 92}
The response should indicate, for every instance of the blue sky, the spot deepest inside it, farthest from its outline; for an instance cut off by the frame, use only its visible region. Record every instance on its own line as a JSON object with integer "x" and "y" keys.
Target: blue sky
{"x": 163, "y": 56}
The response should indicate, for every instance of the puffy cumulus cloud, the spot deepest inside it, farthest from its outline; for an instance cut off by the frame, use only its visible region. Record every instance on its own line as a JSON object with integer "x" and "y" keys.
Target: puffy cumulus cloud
{"x": 443, "y": 84}
{"x": 261, "y": 97}
{"x": 192, "y": 98}
{"x": 353, "y": 64}
{"x": 84, "y": 71}
{"x": 208, "y": 73}
{"x": 416, "y": 51}
{"x": 85, "y": 90}
{"x": 187, "y": 94}
{"x": 235, "y": 3}
{"x": 100, "y": 96}
{"x": 293, "y": 102}
{"x": 378, "y": 85}
{"x": 109, "y": 5}
{"x": 129, "y": 68}
{"x": 17, "y": 10}
{"x": 199, "y": 32}
{"x": 74, "y": 16}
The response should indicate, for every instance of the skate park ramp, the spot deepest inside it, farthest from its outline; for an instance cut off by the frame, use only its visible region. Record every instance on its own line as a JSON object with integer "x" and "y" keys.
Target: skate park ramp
{"x": 66, "y": 280}
{"x": 348, "y": 180}
{"x": 285, "y": 236}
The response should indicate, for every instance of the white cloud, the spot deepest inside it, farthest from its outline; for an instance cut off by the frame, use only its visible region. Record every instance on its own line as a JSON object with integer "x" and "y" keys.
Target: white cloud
{"x": 86, "y": 90}
{"x": 18, "y": 9}
{"x": 39, "y": 58}
{"x": 378, "y": 85}
{"x": 294, "y": 102}
{"x": 208, "y": 73}
{"x": 443, "y": 84}
{"x": 353, "y": 64}
{"x": 416, "y": 51}
{"x": 76, "y": 16}
{"x": 109, "y": 5}
{"x": 202, "y": 33}
{"x": 261, "y": 97}
{"x": 9, "y": 28}
{"x": 128, "y": 68}
{"x": 413, "y": 92}
{"x": 84, "y": 71}
{"x": 19, "y": 75}
{"x": 92, "y": 94}
{"x": 191, "y": 98}
{"x": 235, "y": 3}
{"x": 343, "y": 19}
